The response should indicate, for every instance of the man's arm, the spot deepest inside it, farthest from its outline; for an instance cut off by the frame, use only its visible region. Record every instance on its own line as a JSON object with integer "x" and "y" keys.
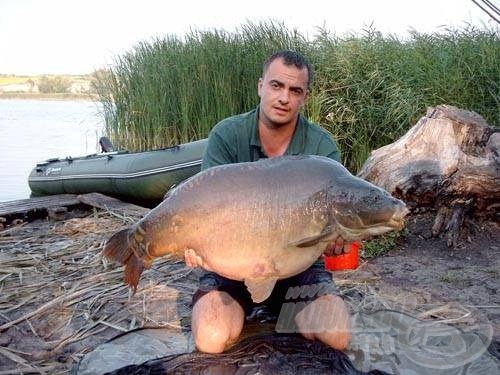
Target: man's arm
{"x": 328, "y": 147}
{"x": 334, "y": 154}
{"x": 218, "y": 151}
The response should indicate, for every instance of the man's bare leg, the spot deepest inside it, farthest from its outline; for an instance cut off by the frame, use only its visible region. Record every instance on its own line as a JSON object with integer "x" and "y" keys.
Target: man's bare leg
{"x": 325, "y": 319}
{"x": 217, "y": 321}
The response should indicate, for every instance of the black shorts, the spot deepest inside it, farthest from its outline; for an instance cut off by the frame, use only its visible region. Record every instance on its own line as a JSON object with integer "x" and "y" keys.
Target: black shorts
{"x": 303, "y": 287}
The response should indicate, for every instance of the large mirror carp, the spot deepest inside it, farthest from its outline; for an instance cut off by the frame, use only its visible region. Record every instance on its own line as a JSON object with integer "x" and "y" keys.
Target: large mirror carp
{"x": 258, "y": 222}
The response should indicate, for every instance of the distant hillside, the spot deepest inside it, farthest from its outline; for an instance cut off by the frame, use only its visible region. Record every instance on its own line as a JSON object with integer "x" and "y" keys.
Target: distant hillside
{"x": 46, "y": 85}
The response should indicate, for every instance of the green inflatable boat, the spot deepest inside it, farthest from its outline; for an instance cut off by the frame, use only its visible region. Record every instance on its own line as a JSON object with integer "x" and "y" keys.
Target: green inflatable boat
{"x": 134, "y": 176}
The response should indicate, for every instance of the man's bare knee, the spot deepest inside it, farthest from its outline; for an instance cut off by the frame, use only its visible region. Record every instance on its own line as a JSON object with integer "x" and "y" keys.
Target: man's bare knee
{"x": 327, "y": 320}
{"x": 216, "y": 322}
{"x": 211, "y": 339}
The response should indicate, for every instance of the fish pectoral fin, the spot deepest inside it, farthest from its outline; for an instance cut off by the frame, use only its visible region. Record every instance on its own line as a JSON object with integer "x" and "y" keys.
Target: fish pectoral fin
{"x": 310, "y": 241}
{"x": 315, "y": 230}
{"x": 260, "y": 289}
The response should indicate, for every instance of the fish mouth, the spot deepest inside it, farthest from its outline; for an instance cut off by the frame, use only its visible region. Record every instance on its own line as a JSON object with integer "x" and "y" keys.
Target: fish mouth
{"x": 398, "y": 220}
{"x": 363, "y": 230}
{"x": 356, "y": 234}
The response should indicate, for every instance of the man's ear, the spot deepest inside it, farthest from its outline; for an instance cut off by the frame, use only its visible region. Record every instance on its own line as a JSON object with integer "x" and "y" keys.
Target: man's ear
{"x": 306, "y": 98}
{"x": 259, "y": 86}
{"x": 308, "y": 94}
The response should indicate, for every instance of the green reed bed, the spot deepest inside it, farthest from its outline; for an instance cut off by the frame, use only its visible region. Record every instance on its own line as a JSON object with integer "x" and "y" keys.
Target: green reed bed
{"x": 369, "y": 88}
{"x": 372, "y": 88}
{"x": 173, "y": 90}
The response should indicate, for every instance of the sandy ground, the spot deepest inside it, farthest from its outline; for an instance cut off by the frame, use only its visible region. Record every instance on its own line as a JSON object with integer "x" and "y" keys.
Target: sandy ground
{"x": 423, "y": 271}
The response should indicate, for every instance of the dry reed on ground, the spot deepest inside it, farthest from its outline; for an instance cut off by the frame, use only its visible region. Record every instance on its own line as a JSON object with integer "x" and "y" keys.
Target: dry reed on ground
{"x": 59, "y": 298}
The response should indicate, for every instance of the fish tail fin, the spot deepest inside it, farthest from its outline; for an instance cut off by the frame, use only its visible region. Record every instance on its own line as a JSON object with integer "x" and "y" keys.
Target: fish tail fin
{"x": 120, "y": 248}
{"x": 133, "y": 271}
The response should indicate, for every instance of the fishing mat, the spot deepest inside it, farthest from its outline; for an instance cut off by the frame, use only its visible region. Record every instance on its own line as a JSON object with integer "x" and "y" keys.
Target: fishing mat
{"x": 382, "y": 341}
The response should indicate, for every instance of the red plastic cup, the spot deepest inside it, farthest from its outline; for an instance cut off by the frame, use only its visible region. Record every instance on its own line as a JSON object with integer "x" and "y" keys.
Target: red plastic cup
{"x": 349, "y": 261}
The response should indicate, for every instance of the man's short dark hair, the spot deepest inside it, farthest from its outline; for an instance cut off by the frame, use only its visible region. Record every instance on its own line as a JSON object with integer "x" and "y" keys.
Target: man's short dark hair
{"x": 291, "y": 58}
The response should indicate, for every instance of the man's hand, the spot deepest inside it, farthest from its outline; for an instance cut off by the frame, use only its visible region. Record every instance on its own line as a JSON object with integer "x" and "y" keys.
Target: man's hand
{"x": 337, "y": 246}
{"x": 190, "y": 258}
{"x": 193, "y": 260}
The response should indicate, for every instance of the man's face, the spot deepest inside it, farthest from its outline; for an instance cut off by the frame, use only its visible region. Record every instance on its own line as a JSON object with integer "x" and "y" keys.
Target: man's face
{"x": 282, "y": 91}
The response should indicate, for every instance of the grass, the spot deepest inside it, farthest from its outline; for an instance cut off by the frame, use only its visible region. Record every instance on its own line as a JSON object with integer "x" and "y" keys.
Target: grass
{"x": 450, "y": 277}
{"x": 382, "y": 244}
{"x": 369, "y": 90}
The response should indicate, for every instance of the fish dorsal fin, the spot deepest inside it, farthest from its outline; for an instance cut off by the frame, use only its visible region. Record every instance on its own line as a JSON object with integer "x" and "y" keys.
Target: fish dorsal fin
{"x": 312, "y": 240}
{"x": 260, "y": 289}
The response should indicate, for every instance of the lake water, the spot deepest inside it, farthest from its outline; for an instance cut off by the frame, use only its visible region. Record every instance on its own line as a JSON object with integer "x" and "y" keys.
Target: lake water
{"x": 36, "y": 130}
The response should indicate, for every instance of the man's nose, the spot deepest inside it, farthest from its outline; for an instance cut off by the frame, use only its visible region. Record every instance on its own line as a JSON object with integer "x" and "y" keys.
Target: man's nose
{"x": 284, "y": 96}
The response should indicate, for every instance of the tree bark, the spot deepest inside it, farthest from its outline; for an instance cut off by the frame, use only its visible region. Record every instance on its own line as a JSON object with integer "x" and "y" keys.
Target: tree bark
{"x": 450, "y": 160}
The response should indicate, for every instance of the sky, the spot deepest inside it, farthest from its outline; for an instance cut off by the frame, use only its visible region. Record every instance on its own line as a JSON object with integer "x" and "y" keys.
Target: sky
{"x": 80, "y": 36}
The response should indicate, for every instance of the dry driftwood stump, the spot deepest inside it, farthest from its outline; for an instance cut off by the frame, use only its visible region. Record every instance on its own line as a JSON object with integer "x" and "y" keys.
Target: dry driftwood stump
{"x": 449, "y": 160}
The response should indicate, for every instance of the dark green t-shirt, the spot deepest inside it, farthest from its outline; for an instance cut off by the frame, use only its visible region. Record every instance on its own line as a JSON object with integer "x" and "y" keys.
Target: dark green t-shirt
{"x": 236, "y": 140}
